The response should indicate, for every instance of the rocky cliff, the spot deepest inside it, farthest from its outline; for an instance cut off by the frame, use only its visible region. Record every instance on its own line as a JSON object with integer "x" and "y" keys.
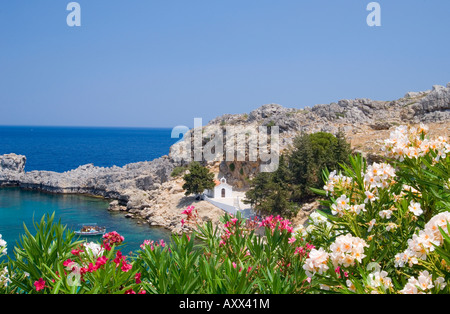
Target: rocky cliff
{"x": 121, "y": 183}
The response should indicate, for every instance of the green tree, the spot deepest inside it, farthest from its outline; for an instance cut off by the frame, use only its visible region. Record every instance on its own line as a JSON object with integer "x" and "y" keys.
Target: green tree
{"x": 271, "y": 192}
{"x": 198, "y": 179}
{"x": 257, "y": 193}
{"x": 280, "y": 192}
{"x": 312, "y": 154}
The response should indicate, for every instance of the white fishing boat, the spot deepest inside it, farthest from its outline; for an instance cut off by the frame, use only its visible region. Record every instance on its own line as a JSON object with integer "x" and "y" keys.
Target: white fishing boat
{"x": 90, "y": 229}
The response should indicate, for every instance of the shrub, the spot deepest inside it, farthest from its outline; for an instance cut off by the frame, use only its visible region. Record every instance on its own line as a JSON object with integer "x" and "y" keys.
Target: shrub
{"x": 198, "y": 179}
{"x": 177, "y": 171}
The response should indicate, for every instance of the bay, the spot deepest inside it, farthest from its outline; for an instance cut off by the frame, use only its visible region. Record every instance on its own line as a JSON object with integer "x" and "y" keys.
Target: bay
{"x": 65, "y": 148}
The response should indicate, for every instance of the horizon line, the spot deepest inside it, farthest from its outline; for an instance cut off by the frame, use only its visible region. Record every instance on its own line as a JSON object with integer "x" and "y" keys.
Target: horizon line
{"x": 84, "y": 126}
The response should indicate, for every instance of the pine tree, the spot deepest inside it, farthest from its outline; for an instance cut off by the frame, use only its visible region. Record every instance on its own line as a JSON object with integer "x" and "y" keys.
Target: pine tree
{"x": 198, "y": 179}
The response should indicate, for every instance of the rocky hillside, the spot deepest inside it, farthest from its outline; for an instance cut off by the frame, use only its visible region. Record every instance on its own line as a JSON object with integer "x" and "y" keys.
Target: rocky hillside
{"x": 146, "y": 190}
{"x": 364, "y": 122}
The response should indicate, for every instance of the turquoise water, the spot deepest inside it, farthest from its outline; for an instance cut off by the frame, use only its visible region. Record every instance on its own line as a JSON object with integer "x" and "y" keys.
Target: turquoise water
{"x": 19, "y": 206}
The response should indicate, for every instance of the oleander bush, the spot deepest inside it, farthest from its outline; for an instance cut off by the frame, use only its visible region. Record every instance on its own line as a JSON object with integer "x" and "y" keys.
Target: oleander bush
{"x": 388, "y": 225}
{"x": 385, "y": 230}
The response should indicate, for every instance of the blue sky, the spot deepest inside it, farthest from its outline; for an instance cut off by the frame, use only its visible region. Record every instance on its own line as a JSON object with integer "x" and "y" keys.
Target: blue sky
{"x": 148, "y": 63}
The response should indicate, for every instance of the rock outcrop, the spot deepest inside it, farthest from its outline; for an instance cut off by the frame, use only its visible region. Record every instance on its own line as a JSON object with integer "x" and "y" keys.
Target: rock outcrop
{"x": 13, "y": 163}
{"x": 121, "y": 183}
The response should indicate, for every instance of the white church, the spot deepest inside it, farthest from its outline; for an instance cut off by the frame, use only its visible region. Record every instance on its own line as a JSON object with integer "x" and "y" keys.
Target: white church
{"x": 221, "y": 190}
{"x": 223, "y": 197}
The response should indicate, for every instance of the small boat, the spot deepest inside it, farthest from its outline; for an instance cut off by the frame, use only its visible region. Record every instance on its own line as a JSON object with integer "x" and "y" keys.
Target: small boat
{"x": 90, "y": 230}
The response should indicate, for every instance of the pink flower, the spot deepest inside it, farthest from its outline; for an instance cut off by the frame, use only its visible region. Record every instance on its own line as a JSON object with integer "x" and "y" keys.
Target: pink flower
{"x": 76, "y": 252}
{"x": 148, "y": 243}
{"x": 188, "y": 211}
{"x": 83, "y": 270}
{"x": 130, "y": 291}
{"x": 142, "y": 292}
{"x": 182, "y": 222}
{"x": 118, "y": 258}
{"x": 91, "y": 268}
{"x": 40, "y": 284}
{"x": 234, "y": 265}
{"x": 292, "y": 240}
{"x": 112, "y": 238}
{"x": 272, "y": 223}
{"x": 100, "y": 261}
{"x": 300, "y": 251}
{"x": 126, "y": 267}
{"x": 138, "y": 278}
{"x": 67, "y": 263}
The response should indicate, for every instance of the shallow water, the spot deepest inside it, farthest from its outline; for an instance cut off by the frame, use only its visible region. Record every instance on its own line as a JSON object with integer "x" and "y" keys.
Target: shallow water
{"x": 19, "y": 206}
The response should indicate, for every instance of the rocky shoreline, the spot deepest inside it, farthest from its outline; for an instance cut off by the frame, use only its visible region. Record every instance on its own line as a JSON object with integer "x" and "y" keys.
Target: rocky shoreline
{"x": 146, "y": 190}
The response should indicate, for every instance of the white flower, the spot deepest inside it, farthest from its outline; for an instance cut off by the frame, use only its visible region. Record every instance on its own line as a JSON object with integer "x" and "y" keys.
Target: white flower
{"x": 415, "y": 208}
{"x": 310, "y": 228}
{"x": 440, "y": 283}
{"x": 371, "y": 224}
{"x": 316, "y": 262}
{"x": 440, "y": 220}
{"x": 421, "y": 244}
{"x": 336, "y": 179}
{"x": 3, "y": 249}
{"x": 301, "y": 230}
{"x": 380, "y": 279}
{"x": 317, "y": 219}
{"x": 341, "y": 205}
{"x": 401, "y": 259}
{"x": 4, "y": 277}
{"x": 94, "y": 249}
{"x": 447, "y": 184}
{"x": 385, "y": 214}
{"x": 370, "y": 197}
{"x": 379, "y": 175}
{"x": 346, "y": 250}
{"x": 410, "y": 287}
{"x": 391, "y": 226}
{"x": 407, "y": 142}
{"x": 356, "y": 209}
{"x": 350, "y": 286}
{"x": 425, "y": 280}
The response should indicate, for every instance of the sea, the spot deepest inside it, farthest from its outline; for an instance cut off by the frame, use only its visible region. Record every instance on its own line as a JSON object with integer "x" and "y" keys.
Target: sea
{"x": 61, "y": 149}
